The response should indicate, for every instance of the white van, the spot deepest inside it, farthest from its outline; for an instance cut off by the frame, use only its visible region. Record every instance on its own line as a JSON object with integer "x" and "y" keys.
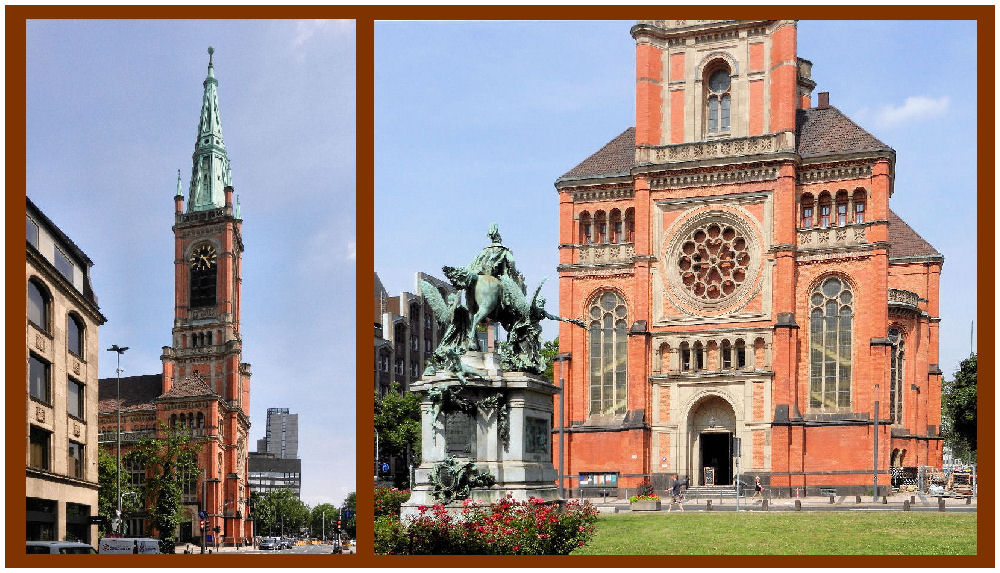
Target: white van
{"x": 59, "y": 547}
{"x": 128, "y": 545}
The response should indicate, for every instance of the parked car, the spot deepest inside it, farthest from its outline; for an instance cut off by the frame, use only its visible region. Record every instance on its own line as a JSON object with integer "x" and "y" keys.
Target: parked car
{"x": 269, "y": 543}
{"x": 59, "y": 547}
{"x": 286, "y": 543}
{"x": 128, "y": 546}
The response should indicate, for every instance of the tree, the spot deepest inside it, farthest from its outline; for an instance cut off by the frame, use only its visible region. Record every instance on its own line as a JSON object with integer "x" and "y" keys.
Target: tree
{"x": 350, "y": 526}
{"x": 549, "y": 351}
{"x": 170, "y": 464}
{"x": 324, "y": 513}
{"x": 958, "y": 405}
{"x": 397, "y": 421}
{"x": 280, "y": 512}
{"x": 107, "y": 491}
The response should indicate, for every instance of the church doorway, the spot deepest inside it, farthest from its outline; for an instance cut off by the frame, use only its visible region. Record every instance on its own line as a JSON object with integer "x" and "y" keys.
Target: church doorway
{"x": 716, "y": 458}
{"x": 711, "y": 427}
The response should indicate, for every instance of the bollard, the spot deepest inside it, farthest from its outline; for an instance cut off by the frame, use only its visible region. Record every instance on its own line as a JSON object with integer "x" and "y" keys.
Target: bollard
{"x": 968, "y": 500}
{"x": 906, "y": 505}
{"x": 708, "y": 505}
{"x": 940, "y": 504}
{"x": 798, "y": 505}
{"x": 857, "y": 499}
{"x": 831, "y": 499}
{"x": 913, "y": 499}
{"x": 885, "y": 500}
{"x": 764, "y": 505}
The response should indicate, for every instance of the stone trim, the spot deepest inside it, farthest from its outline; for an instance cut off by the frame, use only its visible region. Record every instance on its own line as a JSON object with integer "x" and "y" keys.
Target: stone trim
{"x": 750, "y": 175}
{"x": 824, "y": 174}
{"x": 604, "y": 193}
{"x": 728, "y": 147}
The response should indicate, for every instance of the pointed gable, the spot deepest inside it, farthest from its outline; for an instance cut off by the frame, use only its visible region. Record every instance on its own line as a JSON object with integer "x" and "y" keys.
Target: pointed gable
{"x": 827, "y": 131}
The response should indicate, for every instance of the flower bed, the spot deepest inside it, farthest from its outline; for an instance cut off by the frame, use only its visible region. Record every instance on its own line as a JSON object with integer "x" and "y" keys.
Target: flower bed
{"x": 388, "y": 500}
{"x": 506, "y": 527}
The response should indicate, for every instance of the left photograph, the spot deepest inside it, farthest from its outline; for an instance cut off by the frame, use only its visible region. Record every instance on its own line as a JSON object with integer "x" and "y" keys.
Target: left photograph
{"x": 190, "y": 286}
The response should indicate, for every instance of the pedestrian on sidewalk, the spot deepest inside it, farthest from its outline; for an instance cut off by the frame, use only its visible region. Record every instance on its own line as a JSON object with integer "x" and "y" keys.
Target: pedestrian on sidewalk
{"x": 758, "y": 490}
{"x": 675, "y": 494}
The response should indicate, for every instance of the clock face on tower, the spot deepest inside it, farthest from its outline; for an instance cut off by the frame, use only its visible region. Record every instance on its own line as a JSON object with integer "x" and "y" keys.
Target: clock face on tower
{"x": 203, "y": 258}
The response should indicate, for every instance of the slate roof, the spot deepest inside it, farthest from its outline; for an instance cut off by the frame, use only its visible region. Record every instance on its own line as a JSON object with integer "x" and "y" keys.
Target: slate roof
{"x": 827, "y": 131}
{"x": 188, "y": 387}
{"x": 819, "y": 132}
{"x": 615, "y": 158}
{"x": 138, "y": 393}
{"x": 905, "y": 242}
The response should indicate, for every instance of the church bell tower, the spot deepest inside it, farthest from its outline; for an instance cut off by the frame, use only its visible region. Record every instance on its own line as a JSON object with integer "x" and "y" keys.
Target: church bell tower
{"x": 204, "y": 360}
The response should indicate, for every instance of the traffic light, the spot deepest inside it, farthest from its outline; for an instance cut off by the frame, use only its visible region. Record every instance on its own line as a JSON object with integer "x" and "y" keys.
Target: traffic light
{"x": 338, "y": 524}
{"x": 217, "y": 529}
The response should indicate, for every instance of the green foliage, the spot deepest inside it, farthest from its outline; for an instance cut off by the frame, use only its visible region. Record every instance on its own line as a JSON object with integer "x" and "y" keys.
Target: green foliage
{"x": 107, "y": 491}
{"x": 958, "y": 409}
{"x": 549, "y": 351}
{"x": 397, "y": 421}
{"x": 645, "y": 488}
{"x": 388, "y": 501}
{"x": 784, "y": 533}
{"x": 351, "y": 525}
{"x": 280, "y": 512}
{"x": 324, "y": 513}
{"x": 168, "y": 461}
{"x": 502, "y": 528}
{"x": 390, "y": 536}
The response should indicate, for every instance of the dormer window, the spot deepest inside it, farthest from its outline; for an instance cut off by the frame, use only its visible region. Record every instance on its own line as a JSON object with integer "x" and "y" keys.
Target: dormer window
{"x": 718, "y": 101}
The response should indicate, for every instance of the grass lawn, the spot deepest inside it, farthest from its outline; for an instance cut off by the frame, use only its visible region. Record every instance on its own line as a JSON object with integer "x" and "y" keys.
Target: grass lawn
{"x": 784, "y": 533}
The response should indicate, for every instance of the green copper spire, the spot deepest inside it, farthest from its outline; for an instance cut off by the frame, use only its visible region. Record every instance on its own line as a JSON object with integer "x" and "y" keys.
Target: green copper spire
{"x": 178, "y": 193}
{"x": 210, "y": 170}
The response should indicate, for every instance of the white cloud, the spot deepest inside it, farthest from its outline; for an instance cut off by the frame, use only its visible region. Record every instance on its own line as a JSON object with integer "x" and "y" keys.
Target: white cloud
{"x": 305, "y": 29}
{"x": 914, "y": 109}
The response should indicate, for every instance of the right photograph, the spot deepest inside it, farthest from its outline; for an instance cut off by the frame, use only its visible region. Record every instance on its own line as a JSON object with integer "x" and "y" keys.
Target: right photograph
{"x": 675, "y": 287}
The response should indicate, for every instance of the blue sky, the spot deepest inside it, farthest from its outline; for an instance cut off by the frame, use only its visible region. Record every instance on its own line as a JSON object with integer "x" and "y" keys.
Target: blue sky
{"x": 474, "y": 121}
{"x": 112, "y": 114}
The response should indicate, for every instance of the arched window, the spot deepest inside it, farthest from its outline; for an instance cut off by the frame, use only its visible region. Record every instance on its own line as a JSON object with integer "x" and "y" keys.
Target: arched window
{"x": 896, "y": 376}
{"x": 807, "y": 211}
{"x": 602, "y": 227}
{"x": 608, "y": 357}
{"x": 699, "y": 356}
{"x": 39, "y": 305}
{"x": 685, "y": 357}
{"x": 830, "y": 320}
{"x": 841, "y": 208}
{"x": 824, "y": 210}
{"x": 859, "y": 206}
{"x": 617, "y": 232}
{"x": 741, "y": 354}
{"x": 204, "y": 272}
{"x": 630, "y": 225}
{"x": 173, "y": 420}
{"x": 727, "y": 355}
{"x": 201, "y": 420}
{"x": 717, "y": 99}
{"x": 74, "y": 334}
{"x": 586, "y": 229}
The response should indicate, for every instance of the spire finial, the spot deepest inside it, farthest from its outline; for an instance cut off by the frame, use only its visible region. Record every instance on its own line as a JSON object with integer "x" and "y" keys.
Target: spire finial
{"x": 179, "y": 193}
{"x": 211, "y": 51}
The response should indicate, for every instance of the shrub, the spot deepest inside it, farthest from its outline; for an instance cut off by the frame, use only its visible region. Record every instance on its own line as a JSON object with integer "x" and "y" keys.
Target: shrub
{"x": 507, "y": 527}
{"x": 645, "y": 489}
{"x": 389, "y": 538}
{"x": 388, "y": 500}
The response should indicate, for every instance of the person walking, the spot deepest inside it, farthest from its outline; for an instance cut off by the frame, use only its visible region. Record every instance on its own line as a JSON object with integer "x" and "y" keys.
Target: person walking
{"x": 758, "y": 489}
{"x": 675, "y": 494}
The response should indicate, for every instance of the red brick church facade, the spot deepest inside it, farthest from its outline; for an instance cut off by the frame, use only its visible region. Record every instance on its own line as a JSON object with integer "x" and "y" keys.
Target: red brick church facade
{"x": 742, "y": 276}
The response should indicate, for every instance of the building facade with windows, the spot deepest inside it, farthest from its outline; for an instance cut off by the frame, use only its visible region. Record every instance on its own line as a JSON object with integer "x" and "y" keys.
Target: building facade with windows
{"x": 61, "y": 351}
{"x": 269, "y": 472}
{"x": 204, "y": 387}
{"x": 406, "y": 334}
{"x": 748, "y": 290}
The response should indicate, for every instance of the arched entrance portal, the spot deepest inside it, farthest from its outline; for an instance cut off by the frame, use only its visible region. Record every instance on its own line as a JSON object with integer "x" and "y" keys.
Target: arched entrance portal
{"x": 711, "y": 426}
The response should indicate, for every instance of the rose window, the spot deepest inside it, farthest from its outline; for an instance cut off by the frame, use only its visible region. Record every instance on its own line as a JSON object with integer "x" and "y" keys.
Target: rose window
{"x": 714, "y": 261}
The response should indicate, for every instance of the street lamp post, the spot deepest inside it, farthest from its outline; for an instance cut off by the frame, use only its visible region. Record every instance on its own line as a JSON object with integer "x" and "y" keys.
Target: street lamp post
{"x": 118, "y": 374}
{"x": 562, "y": 358}
{"x": 875, "y": 452}
{"x": 376, "y": 454}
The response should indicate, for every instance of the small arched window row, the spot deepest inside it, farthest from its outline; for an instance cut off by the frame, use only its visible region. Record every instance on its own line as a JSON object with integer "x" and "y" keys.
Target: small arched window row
{"x": 832, "y": 209}
{"x": 715, "y": 355}
{"x": 607, "y": 227}
{"x": 200, "y": 339}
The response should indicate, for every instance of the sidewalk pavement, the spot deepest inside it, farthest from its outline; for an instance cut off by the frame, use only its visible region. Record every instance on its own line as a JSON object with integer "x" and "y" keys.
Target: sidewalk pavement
{"x": 894, "y": 501}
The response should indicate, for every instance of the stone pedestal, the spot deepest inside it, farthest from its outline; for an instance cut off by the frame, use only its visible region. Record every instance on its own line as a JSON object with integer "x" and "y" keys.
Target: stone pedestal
{"x": 521, "y": 461}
